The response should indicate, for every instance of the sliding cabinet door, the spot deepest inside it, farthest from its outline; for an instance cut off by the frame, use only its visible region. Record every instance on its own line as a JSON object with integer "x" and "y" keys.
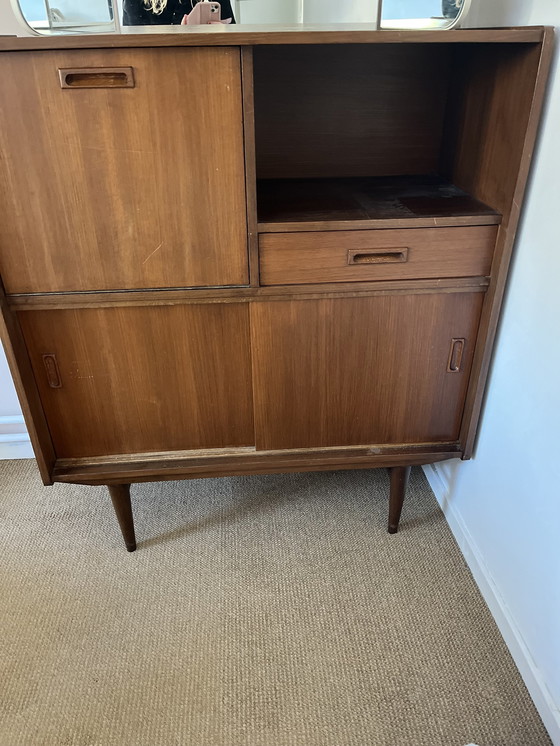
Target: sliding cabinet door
{"x": 375, "y": 370}
{"x": 143, "y": 379}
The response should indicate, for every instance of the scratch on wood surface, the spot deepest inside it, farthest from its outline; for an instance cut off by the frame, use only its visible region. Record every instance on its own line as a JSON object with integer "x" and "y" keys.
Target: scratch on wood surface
{"x": 107, "y": 148}
{"x": 153, "y": 252}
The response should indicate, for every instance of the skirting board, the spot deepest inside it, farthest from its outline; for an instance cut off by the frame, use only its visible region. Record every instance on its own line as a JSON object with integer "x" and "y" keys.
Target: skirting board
{"x": 548, "y": 710}
{"x": 14, "y": 440}
{"x": 15, "y": 445}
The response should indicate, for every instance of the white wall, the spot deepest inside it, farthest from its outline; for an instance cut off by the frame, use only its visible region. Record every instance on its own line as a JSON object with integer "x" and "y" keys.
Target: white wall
{"x": 334, "y": 11}
{"x": 94, "y": 11}
{"x": 269, "y": 11}
{"x": 505, "y": 504}
{"x": 11, "y": 23}
{"x": 14, "y": 442}
{"x": 308, "y": 11}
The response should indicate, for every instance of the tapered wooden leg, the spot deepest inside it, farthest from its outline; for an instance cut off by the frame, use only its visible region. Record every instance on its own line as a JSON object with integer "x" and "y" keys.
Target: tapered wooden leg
{"x": 399, "y": 479}
{"x": 120, "y": 497}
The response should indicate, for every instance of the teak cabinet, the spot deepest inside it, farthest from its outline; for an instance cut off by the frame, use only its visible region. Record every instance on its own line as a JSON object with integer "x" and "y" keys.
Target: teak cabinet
{"x": 250, "y": 251}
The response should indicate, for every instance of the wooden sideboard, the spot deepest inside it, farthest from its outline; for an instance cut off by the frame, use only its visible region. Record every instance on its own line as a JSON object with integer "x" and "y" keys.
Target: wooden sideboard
{"x": 243, "y": 250}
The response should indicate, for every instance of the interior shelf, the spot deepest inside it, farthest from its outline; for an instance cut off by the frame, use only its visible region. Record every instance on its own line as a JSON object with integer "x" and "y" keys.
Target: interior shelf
{"x": 380, "y": 202}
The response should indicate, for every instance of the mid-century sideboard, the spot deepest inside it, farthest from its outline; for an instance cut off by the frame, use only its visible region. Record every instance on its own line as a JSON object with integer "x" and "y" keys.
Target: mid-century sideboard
{"x": 253, "y": 250}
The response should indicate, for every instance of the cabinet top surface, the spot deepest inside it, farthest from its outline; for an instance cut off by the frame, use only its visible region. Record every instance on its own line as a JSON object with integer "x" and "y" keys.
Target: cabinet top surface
{"x": 248, "y": 35}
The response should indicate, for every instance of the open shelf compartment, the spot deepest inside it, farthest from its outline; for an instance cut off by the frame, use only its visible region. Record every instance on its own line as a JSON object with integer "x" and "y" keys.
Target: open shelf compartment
{"x": 377, "y": 202}
{"x": 352, "y": 136}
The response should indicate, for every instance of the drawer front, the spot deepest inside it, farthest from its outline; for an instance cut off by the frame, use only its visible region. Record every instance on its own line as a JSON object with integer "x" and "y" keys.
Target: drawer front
{"x": 354, "y": 256}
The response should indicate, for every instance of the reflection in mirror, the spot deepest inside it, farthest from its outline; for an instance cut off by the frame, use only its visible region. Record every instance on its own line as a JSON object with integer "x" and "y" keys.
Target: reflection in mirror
{"x": 103, "y": 16}
{"x": 308, "y": 11}
{"x": 69, "y": 16}
{"x": 422, "y": 13}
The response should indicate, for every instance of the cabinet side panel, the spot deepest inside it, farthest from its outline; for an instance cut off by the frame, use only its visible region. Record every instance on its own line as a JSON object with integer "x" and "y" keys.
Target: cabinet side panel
{"x": 362, "y": 370}
{"x": 122, "y": 187}
{"x": 495, "y": 91}
{"x": 250, "y": 163}
{"x": 129, "y": 380}
{"x": 500, "y": 117}
{"x": 26, "y": 388}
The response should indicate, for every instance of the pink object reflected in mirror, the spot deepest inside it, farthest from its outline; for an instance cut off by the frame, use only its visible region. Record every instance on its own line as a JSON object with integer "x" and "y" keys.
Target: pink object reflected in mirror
{"x": 204, "y": 14}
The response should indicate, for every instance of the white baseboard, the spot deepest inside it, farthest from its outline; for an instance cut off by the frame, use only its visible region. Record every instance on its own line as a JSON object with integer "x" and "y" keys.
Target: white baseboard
{"x": 14, "y": 440}
{"x": 530, "y": 673}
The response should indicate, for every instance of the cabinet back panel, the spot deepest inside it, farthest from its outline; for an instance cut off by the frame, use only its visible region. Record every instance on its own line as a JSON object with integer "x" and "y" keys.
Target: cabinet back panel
{"x": 361, "y": 370}
{"x": 349, "y": 110}
{"x": 126, "y": 380}
{"x": 122, "y": 187}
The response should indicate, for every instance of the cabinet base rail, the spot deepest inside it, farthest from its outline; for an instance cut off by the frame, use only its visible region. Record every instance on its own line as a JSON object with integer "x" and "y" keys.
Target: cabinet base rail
{"x": 230, "y": 462}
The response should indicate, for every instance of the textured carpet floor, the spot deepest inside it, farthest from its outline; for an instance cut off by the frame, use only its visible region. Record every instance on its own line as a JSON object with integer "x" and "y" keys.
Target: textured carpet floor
{"x": 261, "y": 611}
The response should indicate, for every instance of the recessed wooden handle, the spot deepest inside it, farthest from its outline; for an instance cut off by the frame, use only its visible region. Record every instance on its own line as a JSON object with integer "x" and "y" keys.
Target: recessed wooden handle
{"x": 53, "y": 374}
{"x": 455, "y": 355}
{"x": 96, "y": 77}
{"x": 377, "y": 256}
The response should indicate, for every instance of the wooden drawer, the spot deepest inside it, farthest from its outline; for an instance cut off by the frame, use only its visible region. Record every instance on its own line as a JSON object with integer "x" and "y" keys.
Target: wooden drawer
{"x": 354, "y": 256}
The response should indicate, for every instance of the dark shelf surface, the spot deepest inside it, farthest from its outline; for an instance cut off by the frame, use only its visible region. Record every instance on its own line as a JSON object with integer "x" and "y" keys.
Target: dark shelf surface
{"x": 402, "y": 201}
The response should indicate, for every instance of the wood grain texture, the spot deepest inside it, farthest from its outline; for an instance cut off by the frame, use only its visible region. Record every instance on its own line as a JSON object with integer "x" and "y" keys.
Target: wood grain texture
{"x": 513, "y": 106}
{"x": 455, "y": 221}
{"x": 144, "y": 379}
{"x": 149, "y": 467}
{"x": 96, "y": 77}
{"x": 343, "y": 33}
{"x": 26, "y": 389}
{"x": 51, "y": 301}
{"x": 122, "y": 188}
{"x": 366, "y": 370}
{"x": 250, "y": 164}
{"x": 298, "y": 258}
{"x": 349, "y": 111}
{"x": 158, "y": 384}
{"x": 494, "y": 95}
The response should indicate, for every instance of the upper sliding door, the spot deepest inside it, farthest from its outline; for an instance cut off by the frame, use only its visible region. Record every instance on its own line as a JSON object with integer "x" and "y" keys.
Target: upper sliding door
{"x": 121, "y": 168}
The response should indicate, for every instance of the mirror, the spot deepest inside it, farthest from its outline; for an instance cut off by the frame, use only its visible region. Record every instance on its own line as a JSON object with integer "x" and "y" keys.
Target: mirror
{"x": 104, "y": 16}
{"x": 422, "y": 14}
{"x": 412, "y": 14}
{"x": 69, "y": 16}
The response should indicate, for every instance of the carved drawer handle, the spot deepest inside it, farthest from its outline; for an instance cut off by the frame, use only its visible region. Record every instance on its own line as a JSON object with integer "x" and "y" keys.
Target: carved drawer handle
{"x": 53, "y": 374}
{"x": 96, "y": 77}
{"x": 377, "y": 256}
{"x": 455, "y": 355}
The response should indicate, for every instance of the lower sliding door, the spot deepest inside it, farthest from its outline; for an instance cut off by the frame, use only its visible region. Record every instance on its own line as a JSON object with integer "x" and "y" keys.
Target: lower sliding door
{"x": 350, "y": 371}
{"x": 143, "y": 379}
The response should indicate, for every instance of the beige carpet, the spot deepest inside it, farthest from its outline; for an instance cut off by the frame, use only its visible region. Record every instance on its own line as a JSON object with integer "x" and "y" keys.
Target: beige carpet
{"x": 262, "y": 611}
